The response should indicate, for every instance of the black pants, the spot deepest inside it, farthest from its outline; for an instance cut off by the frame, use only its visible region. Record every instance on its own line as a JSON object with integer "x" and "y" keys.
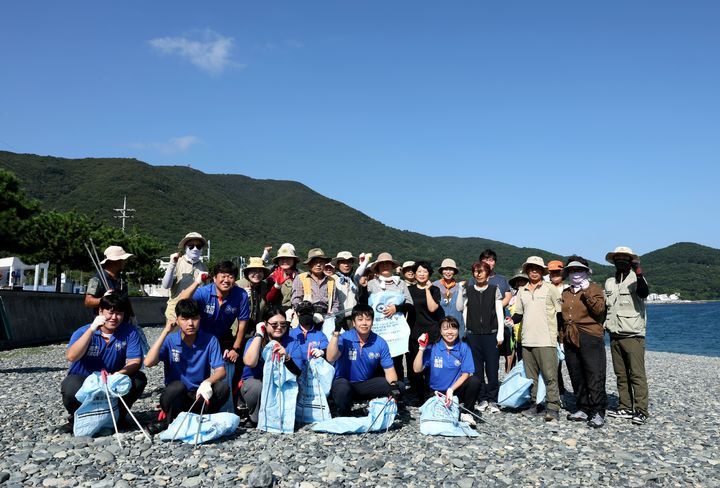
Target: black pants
{"x": 469, "y": 392}
{"x": 177, "y": 398}
{"x": 486, "y": 357}
{"x": 73, "y": 382}
{"x": 586, "y": 365}
{"x": 399, "y": 368}
{"x": 418, "y": 381}
{"x": 344, "y": 393}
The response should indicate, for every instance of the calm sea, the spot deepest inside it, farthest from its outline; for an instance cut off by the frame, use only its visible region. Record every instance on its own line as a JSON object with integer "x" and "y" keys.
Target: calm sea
{"x": 687, "y": 328}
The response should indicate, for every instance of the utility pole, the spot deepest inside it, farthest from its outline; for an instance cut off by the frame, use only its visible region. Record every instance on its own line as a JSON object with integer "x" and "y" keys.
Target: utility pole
{"x": 124, "y": 213}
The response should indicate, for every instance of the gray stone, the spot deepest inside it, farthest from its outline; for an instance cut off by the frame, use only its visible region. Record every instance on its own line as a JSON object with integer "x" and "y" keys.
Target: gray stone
{"x": 192, "y": 481}
{"x": 260, "y": 477}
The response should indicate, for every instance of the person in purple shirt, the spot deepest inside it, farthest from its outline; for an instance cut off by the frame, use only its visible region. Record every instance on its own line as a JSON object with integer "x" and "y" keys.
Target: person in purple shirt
{"x": 359, "y": 354}
{"x": 108, "y": 343}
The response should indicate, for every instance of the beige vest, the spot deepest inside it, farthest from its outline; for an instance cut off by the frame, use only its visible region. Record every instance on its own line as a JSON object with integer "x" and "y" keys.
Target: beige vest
{"x": 626, "y": 314}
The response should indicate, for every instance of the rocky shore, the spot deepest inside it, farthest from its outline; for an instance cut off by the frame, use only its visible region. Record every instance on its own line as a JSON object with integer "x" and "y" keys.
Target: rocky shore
{"x": 679, "y": 446}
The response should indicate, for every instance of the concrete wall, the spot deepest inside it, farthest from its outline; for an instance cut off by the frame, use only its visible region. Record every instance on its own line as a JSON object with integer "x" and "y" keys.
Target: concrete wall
{"x": 42, "y": 318}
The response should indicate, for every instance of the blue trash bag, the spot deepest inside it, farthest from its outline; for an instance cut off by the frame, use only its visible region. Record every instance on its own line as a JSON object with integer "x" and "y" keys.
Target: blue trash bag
{"x": 437, "y": 419}
{"x": 515, "y": 390}
{"x": 381, "y": 415}
{"x": 94, "y": 413}
{"x": 279, "y": 395}
{"x": 215, "y": 425}
{"x": 560, "y": 354}
{"x": 314, "y": 387}
{"x": 229, "y": 406}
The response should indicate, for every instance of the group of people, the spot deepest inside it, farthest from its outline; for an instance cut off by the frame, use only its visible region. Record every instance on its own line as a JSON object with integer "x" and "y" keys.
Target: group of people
{"x": 217, "y": 325}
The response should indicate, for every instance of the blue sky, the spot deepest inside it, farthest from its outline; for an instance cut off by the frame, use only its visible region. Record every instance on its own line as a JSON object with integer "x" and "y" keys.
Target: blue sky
{"x": 569, "y": 126}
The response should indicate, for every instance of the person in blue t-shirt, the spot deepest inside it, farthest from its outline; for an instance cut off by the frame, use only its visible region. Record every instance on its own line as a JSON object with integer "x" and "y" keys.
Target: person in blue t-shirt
{"x": 359, "y": 355}
{"x": 194, "y": 368}
{"x": 308, "y": 340}
{"x": 274, "y": 327}
{"x": 451, "y": 366}
{"x": 108, "y": 343}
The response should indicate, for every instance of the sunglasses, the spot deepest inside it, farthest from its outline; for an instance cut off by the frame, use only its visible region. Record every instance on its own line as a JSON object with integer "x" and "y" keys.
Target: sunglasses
{"x": 195, "y": 246}
{"x": 278, "y": 325}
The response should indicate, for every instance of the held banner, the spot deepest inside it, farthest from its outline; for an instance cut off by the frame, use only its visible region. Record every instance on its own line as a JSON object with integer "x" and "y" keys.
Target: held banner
{"x": 394, "y": 329}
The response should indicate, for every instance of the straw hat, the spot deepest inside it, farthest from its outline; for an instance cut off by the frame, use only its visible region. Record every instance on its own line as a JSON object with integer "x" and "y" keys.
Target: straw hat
{"x": 555, "y": 265}
{"x": 316, "y": 253}
{"x": 537, "y": 261}
{"x": 385, "y": 257}
{"x": 343, "y": 255}
{"x": 115, "y": 253}
{"x": 191, "y": 237}
{"x": 448, "y": 263}
{"x": 256, "y": 263}
{"x": 610, "y": 257}
{"x": 287, "y": 250}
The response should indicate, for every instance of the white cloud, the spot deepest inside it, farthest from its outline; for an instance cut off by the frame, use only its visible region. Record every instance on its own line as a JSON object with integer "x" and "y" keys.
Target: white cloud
{"x": 172, "y": 146}
{"x": 211, "y": 52}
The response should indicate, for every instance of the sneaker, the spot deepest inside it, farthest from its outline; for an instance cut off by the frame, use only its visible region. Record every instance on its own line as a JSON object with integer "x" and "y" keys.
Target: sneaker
{"x": 596, "y": 421}
{"x": 639, "y": 418}
{"x": 620, "y": 413}
{"x": 578, "y": 416}
{"x": 493, "y": 407}
{"x": 469, "y": 419}
{"x": 551, "y": 415}
{"x": 157, "y": 427}
{"x": 531, "y": 411}
{"x": 482, "y": 406}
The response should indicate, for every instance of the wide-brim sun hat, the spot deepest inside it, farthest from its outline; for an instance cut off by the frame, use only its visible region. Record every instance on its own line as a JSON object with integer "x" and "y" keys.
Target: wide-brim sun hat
{"x": 343, "y": 256}
{"x": 192, "y": 236}
{"x": 286, "y": 251}
{"x": 384, "y": 257}
{"x": 317, "y": 253}
{"x": 407, "y": 264}
{"x": 115, "y": 253}
{"x": 256, "y": 263}
{"x": 537, "y": 261}
{"x": 448, "y": 263}
{"x": 518, "y": 276}
{"x": 575, "y": 264}
{"x": 610, "y": 257}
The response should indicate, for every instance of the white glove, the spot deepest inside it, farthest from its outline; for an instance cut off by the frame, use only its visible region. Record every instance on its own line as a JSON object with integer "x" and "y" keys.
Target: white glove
{"x": 317, "y": 318}
{"x": 449, "y": 397}
{"x": 201, "y": 277}
{"x": 317, "y": 353}
{"x": 585, "y": 284}
{"x": 289, "y": 314}
{"x": 260, "y": 328}
{"x": 205, "y": 391}
{"x": 174, "y": 259}
{"x": 99, "y": 320}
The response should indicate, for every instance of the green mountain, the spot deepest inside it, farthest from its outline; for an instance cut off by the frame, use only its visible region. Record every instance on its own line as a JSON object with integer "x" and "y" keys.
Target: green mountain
{"x": 240, "y": 215}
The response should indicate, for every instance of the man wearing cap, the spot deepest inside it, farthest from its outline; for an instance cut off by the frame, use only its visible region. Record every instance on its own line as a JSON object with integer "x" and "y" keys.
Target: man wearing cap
{"x": 539, "y": 307}
{"x": 281, "y": 278}
{"x": 183, "y": 270}
{"x": 626, "y": 320}
{"x": 112, "y": 265}
{"x": 316, "y": 287}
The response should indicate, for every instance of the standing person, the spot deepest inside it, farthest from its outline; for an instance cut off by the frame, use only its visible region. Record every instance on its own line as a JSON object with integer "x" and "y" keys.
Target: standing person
{"x": 583, "y": 309}
{"x": 449, "y": 291}
{"x": 407, "y": 272}
{"x": 489, "y": 257}
{"x": 451, "y": 366}
{"x": 315, "y": 286}
{"x": 193, "y": 366}
{"x": 183, "y": 270}
{"x": 626, "y": 321}
{"x": 345, "y": 280}
{"x": 112, "y": 266}
{"x": 253, "y": 282}
{"x": 539, "y": 308}
{"x": 423, "y": 319}
{"x": 555, "y": 275}
{"x": 108, "y": 343}
{"x": 281, "y": 278}
{"x": 481, "y": 304}
{"x": 363, "y": 366}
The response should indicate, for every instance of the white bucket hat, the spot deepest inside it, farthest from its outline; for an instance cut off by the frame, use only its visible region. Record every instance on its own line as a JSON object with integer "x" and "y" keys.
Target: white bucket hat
{"x": 192, "y": 236}
{"x": 537, "y": 261}
{"x": 115, "y": 253}
{"x": 343, "y": 255}
{"x": 610, "y": 257}
{"x": 287, "y": 250}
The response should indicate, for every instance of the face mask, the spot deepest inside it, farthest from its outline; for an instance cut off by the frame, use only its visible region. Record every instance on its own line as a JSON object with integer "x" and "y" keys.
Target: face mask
{"x": 192, "y": 254}
{"x": 578, "y": 277}
{"x": 622, "y": 265}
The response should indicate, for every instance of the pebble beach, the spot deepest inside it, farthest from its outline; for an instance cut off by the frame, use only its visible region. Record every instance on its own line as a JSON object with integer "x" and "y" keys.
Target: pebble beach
{"x": 679, "y": 446}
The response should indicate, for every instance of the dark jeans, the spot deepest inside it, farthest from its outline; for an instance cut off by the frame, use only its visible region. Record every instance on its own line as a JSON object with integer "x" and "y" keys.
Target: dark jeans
{"x": 73, "y": 382}
{"x": 177, "y": 398}
{"x": 586, "y": 365}
{"x": 486, "y": 357}
{"x": 469, "y": 392}
{"x": 399, "y": 368}
{"x": 344, "y": 393}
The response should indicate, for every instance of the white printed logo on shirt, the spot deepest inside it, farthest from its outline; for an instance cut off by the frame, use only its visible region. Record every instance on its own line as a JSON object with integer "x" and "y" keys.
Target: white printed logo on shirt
{"x": 120, "y": 345}
{"x": 457, "y": 362}
{"x": 374, "y": 355}
{"x": 175, "y": 355}
{"x": 210, "y": 308}
{"x": 352, "y": 355}
{"x": 93, "y": 350}
{"x": 438, "y": 362}
{"x": 231, "y": 310}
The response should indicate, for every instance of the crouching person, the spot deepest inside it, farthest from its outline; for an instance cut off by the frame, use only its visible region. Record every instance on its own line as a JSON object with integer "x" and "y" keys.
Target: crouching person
{"x": 193, "y": 366}
{"x": 110, "y": 343}
{"x": 359, "y": 354}
{"x": 273, "y": 328}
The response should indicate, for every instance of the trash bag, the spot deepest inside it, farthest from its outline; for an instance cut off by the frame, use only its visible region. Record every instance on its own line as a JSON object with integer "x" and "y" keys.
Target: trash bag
{"x": 314, "y": 387}
{"x": 279, "y": 395}
{"x": 215, "y": 425}
{"x": 94, "y": 413}
{"x": 515, "y": 390}
{"x": 381, "y": 415}
{"x": 437, "y": 419}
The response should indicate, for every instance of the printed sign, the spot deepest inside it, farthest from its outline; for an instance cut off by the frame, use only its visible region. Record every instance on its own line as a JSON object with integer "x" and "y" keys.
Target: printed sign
{"x": 394, "y": 329}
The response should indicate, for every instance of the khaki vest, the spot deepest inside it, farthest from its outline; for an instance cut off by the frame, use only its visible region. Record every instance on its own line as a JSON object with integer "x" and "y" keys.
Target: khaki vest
{"x": 626, "y": 314}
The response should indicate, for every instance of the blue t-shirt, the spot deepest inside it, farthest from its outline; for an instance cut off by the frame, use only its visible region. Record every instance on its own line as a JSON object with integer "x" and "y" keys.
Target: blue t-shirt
{"x": 446, "y": 365}
{"x": 190, "y": 364}
{"x": 112, "y": 356}
{"x": 301, "y": 344}
{"x": 257, "y": 371}
{"x": 360, "y": 363}
{"x": 217, "y": 319}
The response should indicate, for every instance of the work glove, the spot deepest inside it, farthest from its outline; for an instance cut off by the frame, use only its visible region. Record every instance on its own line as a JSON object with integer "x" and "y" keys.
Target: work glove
{"x": 635, "y": 265}
{"x": 318, "y": 318}
{"x": 395, "y": 391}
{"x": 317, "y": 353}
{"x": 201, "y": 277}
{"x": 278, "y": 276}
{"x": 174, "y": 258}
{"x": 423, "y": 340}
{"x": 585, "y": 284}
{"x": 205, "y": 391}
{"x": 99, "y": 320}
{"x": 338, "y": 325}
{"x": 260, "y": 328}
{"x": 449, "y": 397}
{"x": 509, "y": 321}
{"x": 109, "y": 292}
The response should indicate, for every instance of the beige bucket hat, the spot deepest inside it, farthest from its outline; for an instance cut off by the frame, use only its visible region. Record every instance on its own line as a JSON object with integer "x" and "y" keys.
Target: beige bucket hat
{"x": 610, "y": 257}
{"x": 384, "y": 257}
{"x": 115, "y": 253}
{"x": 191, "y": 236}
{"x": 317, "y": 253}
{"x": 256, "y": 263}
{"x": 448, "y": 263}
{"x": 408, "y": 264}
{"x": 537, "y": 261}
{"x": 343, "y": 255}
{"x": 286, "y": 251}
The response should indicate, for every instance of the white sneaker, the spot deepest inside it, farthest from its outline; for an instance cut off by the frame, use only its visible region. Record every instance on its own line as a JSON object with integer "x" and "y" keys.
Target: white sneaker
{"x": 493, "y": 407}
{"x": 469, "y": 419}
{"x": 482, "y": 406}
